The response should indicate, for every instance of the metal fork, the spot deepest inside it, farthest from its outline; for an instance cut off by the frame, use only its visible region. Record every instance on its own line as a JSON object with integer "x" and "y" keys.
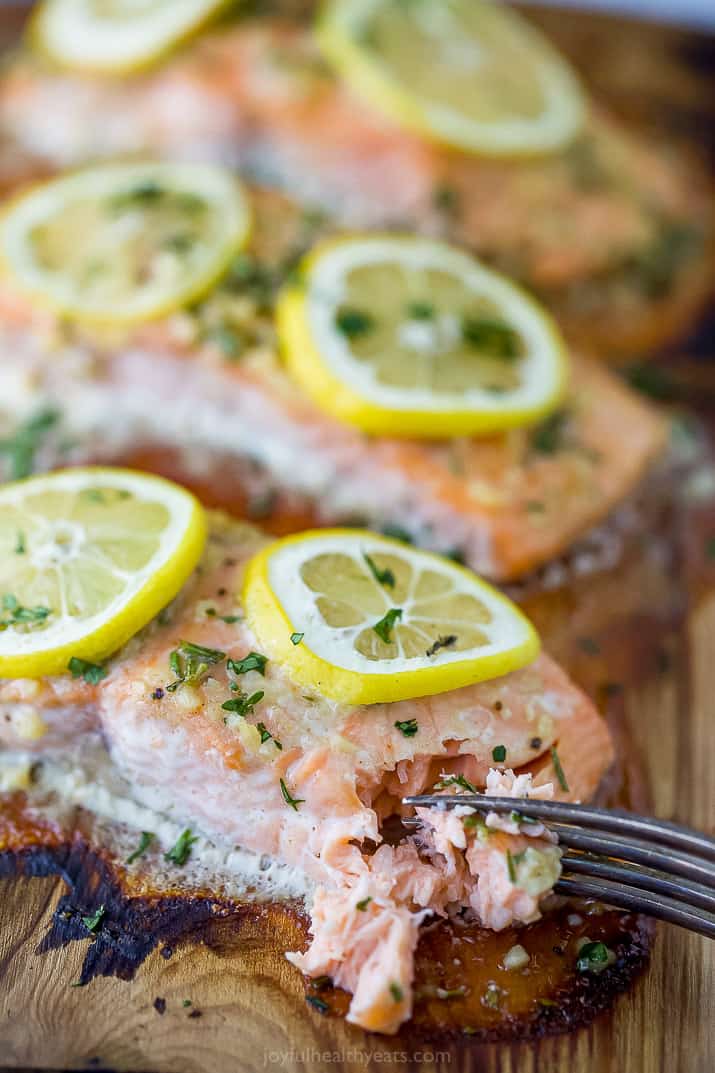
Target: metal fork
{"x": 628, "y": 861}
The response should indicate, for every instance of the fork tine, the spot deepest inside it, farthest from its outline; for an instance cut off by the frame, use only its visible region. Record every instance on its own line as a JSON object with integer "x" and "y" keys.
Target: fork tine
{"x": 637, "y": 852}
{"x": 643, "y": 878}
{"x": 623, "y": 896}
{"x": 618, "y": 821}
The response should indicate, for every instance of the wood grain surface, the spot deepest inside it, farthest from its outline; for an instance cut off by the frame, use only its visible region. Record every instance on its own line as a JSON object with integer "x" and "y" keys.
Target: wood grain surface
{"x": 248, "y": 1011}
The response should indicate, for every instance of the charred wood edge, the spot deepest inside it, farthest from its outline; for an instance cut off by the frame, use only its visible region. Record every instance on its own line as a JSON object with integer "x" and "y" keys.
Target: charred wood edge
{"x": 134, "y": 924}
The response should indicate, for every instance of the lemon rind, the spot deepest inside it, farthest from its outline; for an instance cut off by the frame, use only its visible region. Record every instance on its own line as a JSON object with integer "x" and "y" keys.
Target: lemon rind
{"x": 160, "y": 588}
{"x": 203, "y": 284}
{"x": 270, "y": 623}
{"x": 373, "y": 82}
{"x": 37, "y": 40}
{"x": 337, "y": 398}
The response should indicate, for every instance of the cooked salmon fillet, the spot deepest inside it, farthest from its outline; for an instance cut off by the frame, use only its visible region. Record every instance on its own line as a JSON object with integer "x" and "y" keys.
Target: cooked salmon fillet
{"x": 210, "y": 382}
{"x": 610, "y": 232}
{"x": 308, "y": 781}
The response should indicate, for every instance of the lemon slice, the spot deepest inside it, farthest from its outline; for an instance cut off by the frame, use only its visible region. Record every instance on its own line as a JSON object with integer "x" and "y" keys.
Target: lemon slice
{"x": 409, "y": 337}
{"x": 466, "y": 73}
{"x": 124, "y": 243}
{"x": 87, "y": 558}
{"x": 364, "y": 619}
{"x": 116, "y": 36}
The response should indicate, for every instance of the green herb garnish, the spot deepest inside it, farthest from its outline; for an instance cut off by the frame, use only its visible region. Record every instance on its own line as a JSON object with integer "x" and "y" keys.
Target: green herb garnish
{"x": 147, "y": 837}
{"x": 382, "y": 577}
{"x": 558, "y": 769}
{"x": 267, "y": 736}
{"x": 362, "y": 905}
{"x": 456, "y": 780}
{"x": 17, "y": 615}
{"x": 243, "y": 705}
{"x": 93, "y": 673}
{"x": 396, "y": 992}
{"x": 384, "y": 627}
{"x": 92, "y": 922}
{"x": 20, "y": 546}
{"x": 548, "y": 437}
{"x": 21, "y": 448}
{"x": 408, "y": 727}
{"x": 420, "y": 311}
{"x": 190, "y": 662}
{"x": 353, "y": 322}
{"x": 181, "y": 850}
{"x": 296, "y": 638}
{"x": 592, "y": 957}
{"x": 254, "y": 661}
{"x": 496, "y": 338}
{"x": 499, "y": 754}
{"x": 289, "y": 799}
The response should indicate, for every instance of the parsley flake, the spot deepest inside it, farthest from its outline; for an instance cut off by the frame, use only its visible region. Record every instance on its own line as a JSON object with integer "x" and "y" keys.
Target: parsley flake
{"x": 592, "y": 957}
{"x": 181, "y": 850}
{"x": 17, "y": 615}
{"x": 296, "y": 638}
{"x": 494, "y": 337}
{"x": 353, "y": 322}
{"x": 93, "y": 673}
{"x": 92, "y": 922}
{"x": 267, "y": 736}
{"x": 408, "y": 727}
{"x": 396, "y": 991}
{"x": 456, "y": 780}
{"x": 559, "y": 770}
{"x": 362, "y": 905}
{"x": 243, "y": 705}
{"x": 384, "y": 627}
{"x": 254, "y": 661}
{"x": 20, "y": 449}
{"x": 288, "y": 797}
{"x": 499, "y": 754}
{"x": 147, "y": 837}
{"x": 190, "y": 662}
{"x": 382, "y": 577}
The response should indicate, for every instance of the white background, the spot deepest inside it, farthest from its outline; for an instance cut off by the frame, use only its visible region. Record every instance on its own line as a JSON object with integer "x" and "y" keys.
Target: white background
{"x": 688, "y": 12}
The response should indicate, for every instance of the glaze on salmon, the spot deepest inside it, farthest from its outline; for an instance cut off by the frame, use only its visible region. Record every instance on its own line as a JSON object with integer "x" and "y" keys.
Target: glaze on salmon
{"x": 609, "y": 232}
{"x": 308, "y": 781}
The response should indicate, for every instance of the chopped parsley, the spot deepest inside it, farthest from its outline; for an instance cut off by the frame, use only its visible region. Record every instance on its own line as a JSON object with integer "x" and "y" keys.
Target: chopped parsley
{"x": 408, "y": 727}
{"x": 93, "y": 673}
{"x": 17, "y": 615}
{"x": 548, "y": 437}
{"x": 92, "y": 922}
{"x": 147, "y": 837}
{"x": 499, "y": 754}
{"x": 353, "y": 322}
{"x": 382, "y": 577}
{"x": 593, "y": 957}
{"x": 190, "y": 662}
{"x": 456, "y": 780}
{"x": 20, "y": 546}
{"x": 211, "y": 612}
{"x": 445, "y": 199}
{"x": 144, "y": 193}
{"x": 267, "y": 736}
{"x": 512, "y": 861}
{"x": 254, "y": 661}
{"x": 384, "y": 627}
{"x": 243, "y": 705}
{"x": 20, "y": 449}
{"x": 420, "y": 310}
{"x": 496, "y": 338}
{"x": 181, "y": 850}
{"x": 396, "y": 532}
{"x": 362, "y": 905}
{"x": 396, "y": 992}
{"x": 559, "y": 770}
{"x": 296, "y": 638}
{"x": 288, "y": 797}
{"x": 441, "y": 642}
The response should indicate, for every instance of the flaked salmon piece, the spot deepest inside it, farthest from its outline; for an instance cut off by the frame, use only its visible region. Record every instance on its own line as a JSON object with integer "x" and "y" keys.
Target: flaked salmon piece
{"x": 606, "y": 224}
{"x": 299, "y": 777}
{"x": 507, "y": 504}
